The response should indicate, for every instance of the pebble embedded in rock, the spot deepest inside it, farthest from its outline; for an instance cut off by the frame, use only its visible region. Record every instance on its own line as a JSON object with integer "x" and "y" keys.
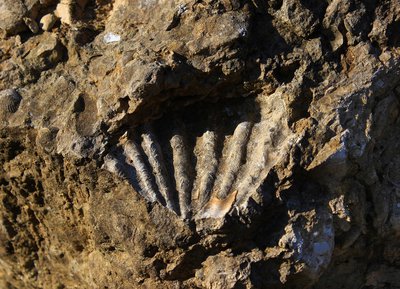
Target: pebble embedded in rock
{"x": 47, "y": 22}
{"x": 64, "y": 12}
{"x": 69, "y": 10}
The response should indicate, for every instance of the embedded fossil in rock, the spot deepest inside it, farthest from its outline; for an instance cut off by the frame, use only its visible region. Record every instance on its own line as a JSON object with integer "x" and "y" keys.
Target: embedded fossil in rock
{"x": 207, "y": 159}
{"x": 9, "y": 100}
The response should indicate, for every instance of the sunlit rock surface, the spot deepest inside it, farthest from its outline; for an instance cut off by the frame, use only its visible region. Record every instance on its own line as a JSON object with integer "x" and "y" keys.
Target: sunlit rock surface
{"x": 199, "y": 144}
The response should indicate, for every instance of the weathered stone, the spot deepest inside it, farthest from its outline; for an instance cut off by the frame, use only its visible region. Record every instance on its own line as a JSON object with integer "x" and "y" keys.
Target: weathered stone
{"x": 69, "y": 10}
{"x": 64, "y": 12}
{"x": 299, "y": 18}
{"x": 46, "y": 53}
{"x": 200, "y": 144}
{"x": 11, "y": 15}
{"x": 32, "y": 25}
{"x": 47, "y": 21}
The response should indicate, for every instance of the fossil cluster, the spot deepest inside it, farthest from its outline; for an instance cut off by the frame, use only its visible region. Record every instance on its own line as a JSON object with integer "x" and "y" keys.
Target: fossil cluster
{"x": 206, "y": 159}
{"x": 199, "y": 144}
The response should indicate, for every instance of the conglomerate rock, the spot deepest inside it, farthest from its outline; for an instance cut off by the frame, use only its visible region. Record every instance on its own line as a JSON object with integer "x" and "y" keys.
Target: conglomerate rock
{"x": 200, "y": 144}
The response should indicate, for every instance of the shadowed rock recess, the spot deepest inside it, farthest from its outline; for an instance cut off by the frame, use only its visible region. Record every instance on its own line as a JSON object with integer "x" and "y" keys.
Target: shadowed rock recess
{"x": 199, "y": 144}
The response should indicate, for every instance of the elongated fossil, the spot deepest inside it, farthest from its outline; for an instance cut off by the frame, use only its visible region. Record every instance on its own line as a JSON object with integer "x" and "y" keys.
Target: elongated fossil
{"x": 206, "y": 159}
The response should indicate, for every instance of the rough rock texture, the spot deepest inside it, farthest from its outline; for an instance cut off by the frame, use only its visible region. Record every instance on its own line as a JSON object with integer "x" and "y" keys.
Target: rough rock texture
{"x": 200, "y": 144}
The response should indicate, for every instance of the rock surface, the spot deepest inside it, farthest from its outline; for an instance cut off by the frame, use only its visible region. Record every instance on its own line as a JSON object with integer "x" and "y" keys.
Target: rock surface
{"x": 200, "y": 144}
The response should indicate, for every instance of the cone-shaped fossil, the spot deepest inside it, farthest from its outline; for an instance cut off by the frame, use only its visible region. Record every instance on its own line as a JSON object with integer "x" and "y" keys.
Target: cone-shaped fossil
{"x": 207, "y": 158}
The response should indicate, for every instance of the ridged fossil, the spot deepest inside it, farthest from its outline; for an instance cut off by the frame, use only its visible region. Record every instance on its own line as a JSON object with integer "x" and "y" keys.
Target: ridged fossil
{"x": 206, "y": 159}
{"x": 9, "y": 100}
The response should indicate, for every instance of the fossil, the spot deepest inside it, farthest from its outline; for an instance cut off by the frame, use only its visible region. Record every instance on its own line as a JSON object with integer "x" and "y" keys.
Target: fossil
{"x": 206, "y": 159}
{"x": 10, "y": 100}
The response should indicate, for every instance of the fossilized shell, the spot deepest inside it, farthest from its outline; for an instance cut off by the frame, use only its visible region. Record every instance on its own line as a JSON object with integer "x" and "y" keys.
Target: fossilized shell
{"x": 9, "y": 100}
{"x": 206, "y": 159}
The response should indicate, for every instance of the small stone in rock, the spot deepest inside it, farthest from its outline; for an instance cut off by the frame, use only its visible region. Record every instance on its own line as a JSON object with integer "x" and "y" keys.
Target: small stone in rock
{"x": 47, "y": 22}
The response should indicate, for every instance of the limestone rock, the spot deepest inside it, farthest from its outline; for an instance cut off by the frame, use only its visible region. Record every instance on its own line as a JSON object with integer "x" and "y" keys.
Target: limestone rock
{"x": 47, "y": 53}
{"x": 301, "y": 20}
{"x": 47, "y": 21}
{"x": 200, "y": 144}
{"x": 64, "y": 12}
{"x": 69, "y": 10}
{"x": 11, "y": 15}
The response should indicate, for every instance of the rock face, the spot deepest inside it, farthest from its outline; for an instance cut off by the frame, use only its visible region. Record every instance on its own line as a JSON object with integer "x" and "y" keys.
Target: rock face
{"x": 200, "y": 144}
